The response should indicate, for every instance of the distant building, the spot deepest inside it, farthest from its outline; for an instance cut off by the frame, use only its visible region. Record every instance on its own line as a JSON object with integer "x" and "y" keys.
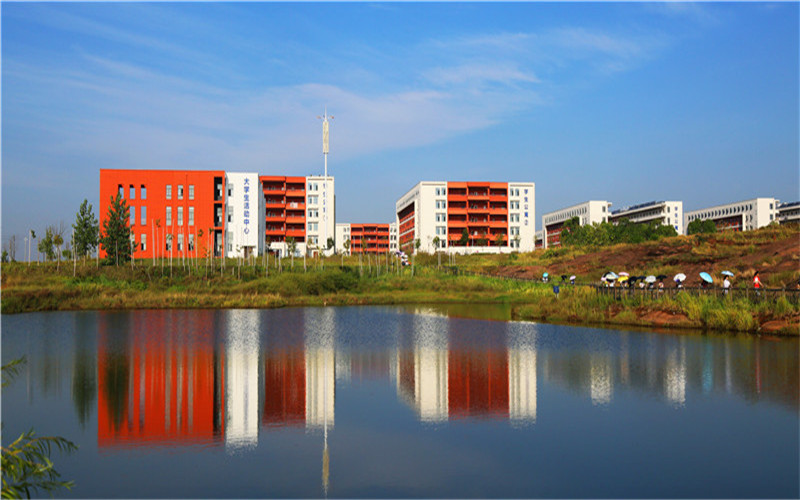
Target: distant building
{"x": 789, "y": 213}
{"x": 740, "y": 216}
{"x": 496, "y": 216}
{"x": 538, "y": 239}
{"x": 588, "y": 212}
{"x": 364, "y": 238}
{"x": 667, "y": 213}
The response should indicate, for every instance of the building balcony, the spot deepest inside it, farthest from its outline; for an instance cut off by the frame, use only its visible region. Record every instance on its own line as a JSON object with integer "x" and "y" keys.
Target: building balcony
{"x": 296, "y": 233}
{"x": 275, "y": 218}
{"x": 294, "y": 205}
{"x": 274, "y": 203}
{"x": 478, "y": 209}
{"x": 456, "y": 197}
{"x": 293, "y": 219}
{"x": 274, "y": 230}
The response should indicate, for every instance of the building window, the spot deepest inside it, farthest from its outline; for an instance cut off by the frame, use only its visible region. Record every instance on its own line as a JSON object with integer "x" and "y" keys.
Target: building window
{"x": 514, "y": 231}
{"x": 143, "y": 216}
{"x": 132, "y": 192}
{"x": 169, "y": 216}
{"x": 169, "y": 243}
{"x": 313, "y": 200}
{"x": 191, "y": 242}
{"x": 169, "y": 191}
{"x": 191, "y": 191}
{"x": 180, "y": 242}
{"x": 441, "y": 217}
{"x": 191, "y": 216}
{"x": 230, "y": 213}
{"x": 133, "y": 216}
{"x": 313, "y": 226}
{"x": 121, "y": 191}
{"x": 143, "y": 192}
{"x": 180, "y": 216}
{"x": 230, "y": 191}
{"x": 180, "y": 191}
{"x": 144, "y": 242}
{"x": 514, "y": 217}
{"x": 515, "y": 205}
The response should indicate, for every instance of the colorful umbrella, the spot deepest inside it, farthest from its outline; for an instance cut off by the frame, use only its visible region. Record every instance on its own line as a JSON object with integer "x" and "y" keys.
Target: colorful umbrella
{"x": 623, "y": 273}
{"x": 706, "y": 277}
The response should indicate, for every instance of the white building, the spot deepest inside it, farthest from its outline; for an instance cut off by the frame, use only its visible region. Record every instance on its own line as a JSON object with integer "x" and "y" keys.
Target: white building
{"x": 588, "y": 212}
{"x": 740, "y": 216}
{"x": 393, "y": 237}
{"x": 466, "y": 217}
{"x": 245, "y": 215}
{"x": 321, "y": 216}
{"x": 667, "y": 213}
{"x": 789, "y": 213}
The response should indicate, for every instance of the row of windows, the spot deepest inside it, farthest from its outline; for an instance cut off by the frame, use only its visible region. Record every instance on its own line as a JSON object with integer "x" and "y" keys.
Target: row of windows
{"x": 132, "y": 191}
{"x": 441, "y": 204}
{"x": 180, "y": 216}
{"x": 441, "y": 191}
{"x": 180, "y": 191}
{"x": 723, "y": 211}
{"x": 168, "y": 243}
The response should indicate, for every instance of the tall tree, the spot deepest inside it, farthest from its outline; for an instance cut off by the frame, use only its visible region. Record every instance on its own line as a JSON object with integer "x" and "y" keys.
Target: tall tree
{"x": 12, "y": 247}
{"x": 45, "y": 245}
{"x": 86, "y": 230}
{"x": 116, "y": 238}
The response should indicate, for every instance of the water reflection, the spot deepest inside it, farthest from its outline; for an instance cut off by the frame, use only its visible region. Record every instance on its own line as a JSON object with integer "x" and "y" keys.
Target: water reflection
{"x": 220, "y": 378}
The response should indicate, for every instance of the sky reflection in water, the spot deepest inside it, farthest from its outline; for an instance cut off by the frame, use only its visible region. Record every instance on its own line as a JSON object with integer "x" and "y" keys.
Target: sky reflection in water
{"x": 401, "y": 402}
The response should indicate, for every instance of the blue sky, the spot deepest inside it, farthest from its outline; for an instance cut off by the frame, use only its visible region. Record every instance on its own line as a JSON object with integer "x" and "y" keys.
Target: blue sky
{"x": 626, "y": 102}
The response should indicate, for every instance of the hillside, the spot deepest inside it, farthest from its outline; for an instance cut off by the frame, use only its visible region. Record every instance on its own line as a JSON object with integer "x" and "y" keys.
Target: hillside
{"x": 773, "y": 251}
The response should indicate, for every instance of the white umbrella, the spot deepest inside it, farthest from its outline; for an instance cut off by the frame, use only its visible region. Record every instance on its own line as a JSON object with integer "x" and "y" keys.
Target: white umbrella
{"x": 623, "y": 273}
{"x": 680, "y": 277}
{"x": 650, "y": 279}
{"x": 727, "y": 273}
{"x": 572, "y": 277}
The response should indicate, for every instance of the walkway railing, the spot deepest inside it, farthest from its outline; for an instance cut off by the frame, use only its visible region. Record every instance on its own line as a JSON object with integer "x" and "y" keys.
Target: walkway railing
{"x": 763, "y": 294}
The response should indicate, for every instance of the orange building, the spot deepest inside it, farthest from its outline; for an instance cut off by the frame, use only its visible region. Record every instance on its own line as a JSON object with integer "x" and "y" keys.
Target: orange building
{"x": 172, "y": 212}
{"x": 364, "y": 238}
{"x": 285, "y": 202}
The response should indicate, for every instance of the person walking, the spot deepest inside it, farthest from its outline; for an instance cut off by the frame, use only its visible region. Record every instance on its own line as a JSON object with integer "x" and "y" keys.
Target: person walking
{"x": 757, "y": 284}
{"x": 726, "y": 285}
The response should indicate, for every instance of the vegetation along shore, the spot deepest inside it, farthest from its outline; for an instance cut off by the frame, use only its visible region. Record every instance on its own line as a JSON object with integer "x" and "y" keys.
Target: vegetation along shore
{"x": 512, "y": 279}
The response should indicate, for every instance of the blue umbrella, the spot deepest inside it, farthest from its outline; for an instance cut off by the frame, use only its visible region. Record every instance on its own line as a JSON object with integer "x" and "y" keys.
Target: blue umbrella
{"x": 706, "y": 277}
{"x": 727, "y": 273}
{"x": 545, "y": 275}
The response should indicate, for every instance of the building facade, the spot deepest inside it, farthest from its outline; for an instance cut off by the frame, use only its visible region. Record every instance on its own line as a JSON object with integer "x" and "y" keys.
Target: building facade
{"x": 467, "y": 217}
{"x": 740, "y": 216}
{"x": 363, "y": 238}
{"x": 200, "y": 213}
{"x": 666, "y": 213}
{"x": 588, "y": 212}
{"x": 299, "y": 213}
{"x": 178, "y": 213}
{"x": 789, "y": 213}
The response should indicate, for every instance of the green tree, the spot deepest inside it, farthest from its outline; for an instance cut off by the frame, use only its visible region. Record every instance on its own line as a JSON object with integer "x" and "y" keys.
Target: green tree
{"x": 26, "y": 465}
{"x": 5, "y": 256}
{"x": 698, "y": 226}
{"x": 45, "y": 245}
{"x": 464, "y": 238}
{"x": 482, "y": 240}
{"x": 500, "y": 239}
{"x": 116, "y": 238}
{"x": 436, "y": 242}
{"x": 330, "y": 244}
{"x": 86, "y": 230}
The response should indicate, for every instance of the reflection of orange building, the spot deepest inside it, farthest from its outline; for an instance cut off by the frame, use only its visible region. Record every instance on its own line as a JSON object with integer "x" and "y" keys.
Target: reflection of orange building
{"x": 157, "y": 390}
{"x": 285, "y": 388}
{"x": 477, "y": 383}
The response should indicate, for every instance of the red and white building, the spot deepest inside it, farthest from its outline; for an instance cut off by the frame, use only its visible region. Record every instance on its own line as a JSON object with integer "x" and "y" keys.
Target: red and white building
{"x": 740, "y": 216}
{"x": 588, "y": 212}
{"x": 366, "y": 238}
{"x": 196, "y": 213}
{"x": 467, "y": 217}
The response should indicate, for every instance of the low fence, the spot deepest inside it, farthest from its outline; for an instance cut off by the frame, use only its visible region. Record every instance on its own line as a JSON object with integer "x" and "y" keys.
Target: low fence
{"x": 763, "y": 294}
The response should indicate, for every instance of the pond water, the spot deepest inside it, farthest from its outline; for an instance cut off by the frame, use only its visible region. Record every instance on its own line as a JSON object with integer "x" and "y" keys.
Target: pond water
{"x": 400, "y": 402}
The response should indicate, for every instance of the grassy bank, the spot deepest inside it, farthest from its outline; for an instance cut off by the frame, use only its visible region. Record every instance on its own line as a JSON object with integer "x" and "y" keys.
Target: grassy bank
{"x": 45, "y": 288}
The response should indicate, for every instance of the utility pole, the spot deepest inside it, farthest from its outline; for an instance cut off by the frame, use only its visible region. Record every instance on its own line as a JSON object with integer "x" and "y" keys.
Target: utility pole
{"x": 325, "y": 149}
